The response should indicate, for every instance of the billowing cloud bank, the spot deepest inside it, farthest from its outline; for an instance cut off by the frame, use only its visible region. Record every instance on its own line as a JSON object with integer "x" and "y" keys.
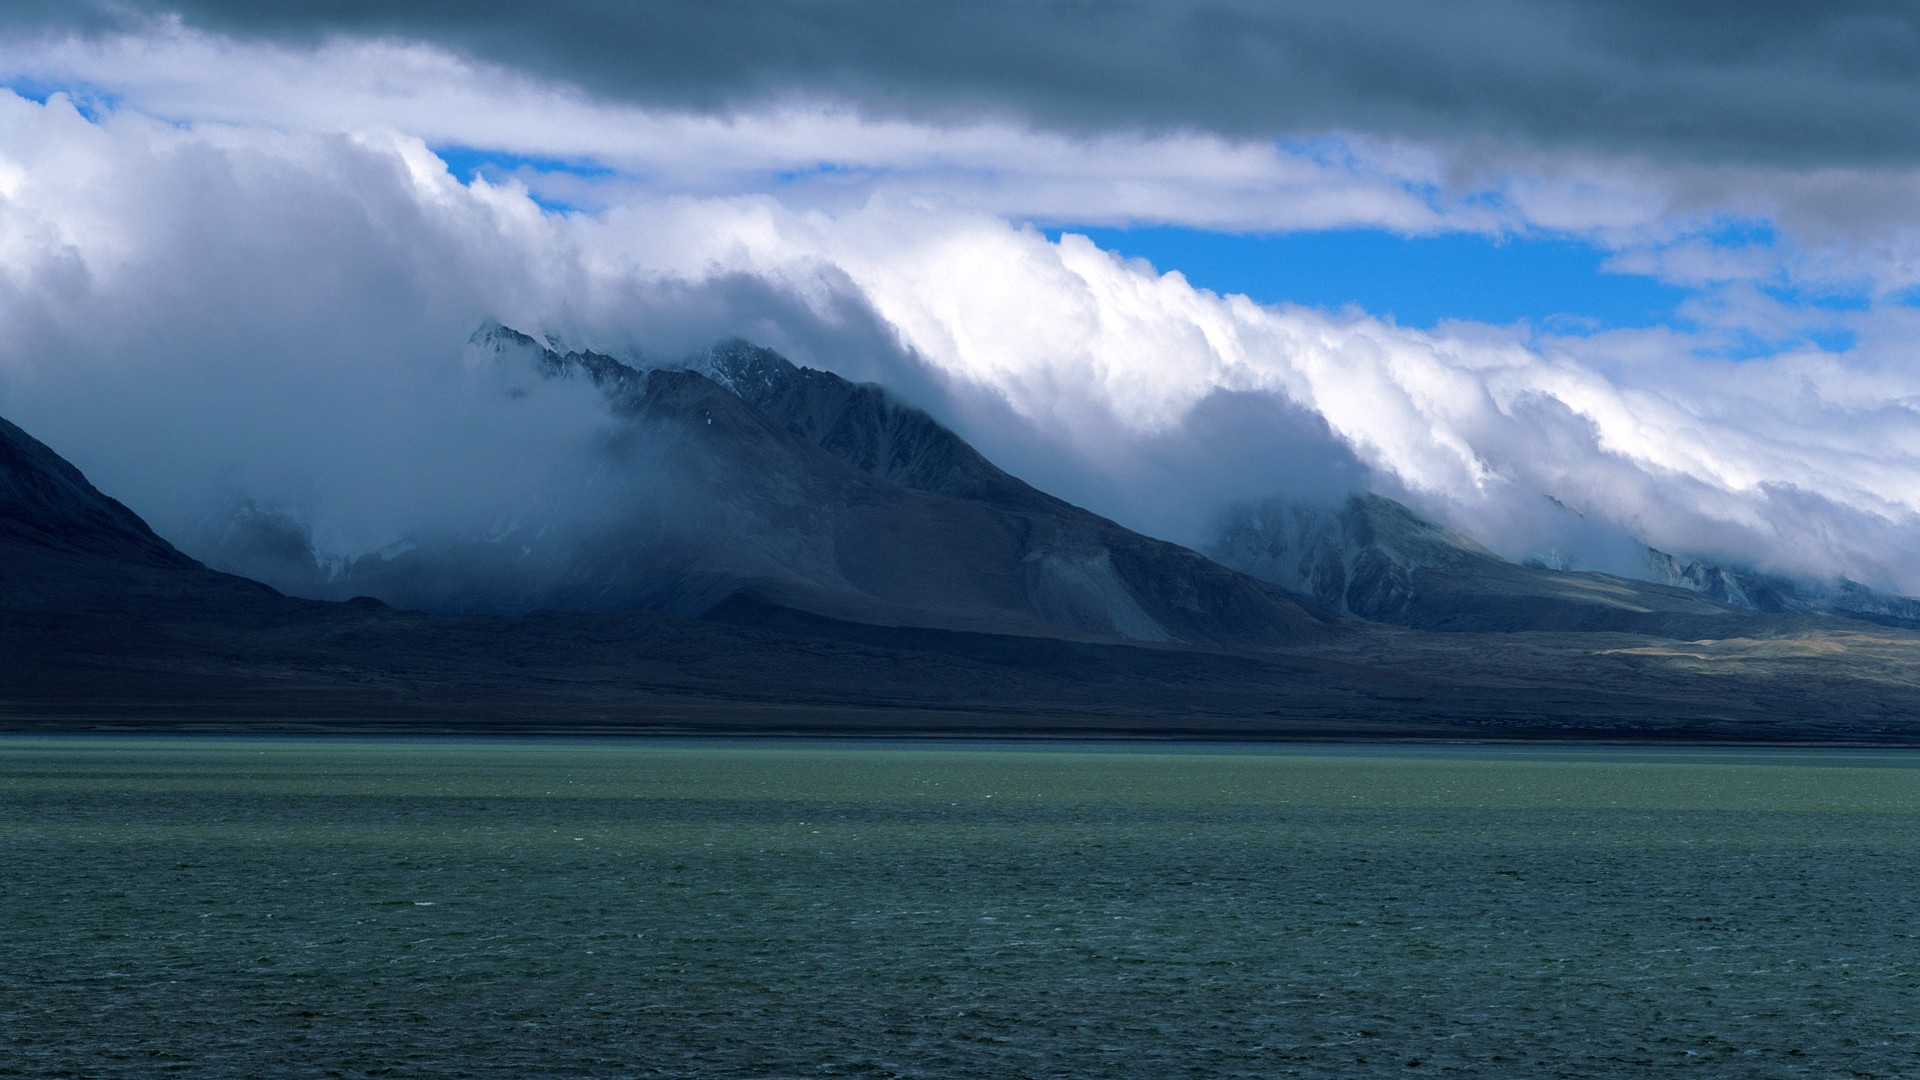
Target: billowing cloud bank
{"x": 1539, "y": 446}
{"x": 213, "y": 297}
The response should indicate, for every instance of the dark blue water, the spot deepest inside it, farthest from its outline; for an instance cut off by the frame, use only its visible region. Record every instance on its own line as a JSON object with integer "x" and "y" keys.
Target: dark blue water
{"x": 511, "y": 909}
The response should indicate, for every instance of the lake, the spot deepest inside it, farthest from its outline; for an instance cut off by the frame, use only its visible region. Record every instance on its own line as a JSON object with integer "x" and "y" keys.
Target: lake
{"x": 517, "y": 908}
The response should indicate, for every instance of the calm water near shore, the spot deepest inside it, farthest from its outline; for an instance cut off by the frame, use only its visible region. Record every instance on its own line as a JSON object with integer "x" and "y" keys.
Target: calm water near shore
{"x": 320, "y": 907}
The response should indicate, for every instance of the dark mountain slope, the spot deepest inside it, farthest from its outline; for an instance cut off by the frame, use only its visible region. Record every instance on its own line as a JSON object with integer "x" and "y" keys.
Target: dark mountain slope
{"x": 104, "y": 624}
{"x": 102, "y": 630}
{"x": 47, "y": 503}
{"x": 72, "y": 552}
{"x": 866, "y": 427}
{"x": 105, "y": 627}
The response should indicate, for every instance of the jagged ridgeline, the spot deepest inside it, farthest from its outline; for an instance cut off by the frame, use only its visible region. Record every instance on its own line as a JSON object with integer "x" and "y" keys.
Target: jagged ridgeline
{"x": 1374, "y": 558}
{"x": 739, "y": 485}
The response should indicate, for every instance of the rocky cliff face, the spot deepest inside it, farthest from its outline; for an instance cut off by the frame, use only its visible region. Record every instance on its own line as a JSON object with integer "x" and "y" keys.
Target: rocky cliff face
{"x": 866, "y": 427}
{"x": 1359, "y": 558}
{"x": 1750, "y": 590}
{"x": 1374, "y": 558}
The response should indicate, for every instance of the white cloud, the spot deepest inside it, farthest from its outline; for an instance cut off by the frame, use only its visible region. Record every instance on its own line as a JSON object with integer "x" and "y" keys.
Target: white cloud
{"x": 814, "y": 151}
{"x": 1697, "y": 455}
{"x": 1856, "y": 229}
{"x": 194, "y": 317}
{"x": 256, "y": 303}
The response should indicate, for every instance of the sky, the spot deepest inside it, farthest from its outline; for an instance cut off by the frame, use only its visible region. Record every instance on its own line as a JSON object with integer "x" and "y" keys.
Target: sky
{"x": 1572, "y": 277}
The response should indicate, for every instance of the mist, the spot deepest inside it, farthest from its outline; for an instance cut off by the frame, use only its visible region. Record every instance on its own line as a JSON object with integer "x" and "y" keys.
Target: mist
{"x": 261, "y": 345}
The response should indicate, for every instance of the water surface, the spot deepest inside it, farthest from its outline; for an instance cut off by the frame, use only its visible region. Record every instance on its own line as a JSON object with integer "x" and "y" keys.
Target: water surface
{"x": 738, "y": 909}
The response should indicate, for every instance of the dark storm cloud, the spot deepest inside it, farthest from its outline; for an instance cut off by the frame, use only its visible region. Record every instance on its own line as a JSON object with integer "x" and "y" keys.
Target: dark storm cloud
{"x": 1774, "y": 81}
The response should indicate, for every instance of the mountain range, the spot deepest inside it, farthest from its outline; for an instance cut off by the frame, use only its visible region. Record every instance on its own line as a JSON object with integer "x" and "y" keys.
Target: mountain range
{"x": 793, "y": 488}
{"x": 836, "y": 560}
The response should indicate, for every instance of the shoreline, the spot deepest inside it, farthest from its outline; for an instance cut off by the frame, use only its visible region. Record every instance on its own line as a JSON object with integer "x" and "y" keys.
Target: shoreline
{"x": 1329, "y": 734}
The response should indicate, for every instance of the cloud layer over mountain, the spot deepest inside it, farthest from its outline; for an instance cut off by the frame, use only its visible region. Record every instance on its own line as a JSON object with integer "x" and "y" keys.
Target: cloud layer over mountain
{"x": 235, "y": 265}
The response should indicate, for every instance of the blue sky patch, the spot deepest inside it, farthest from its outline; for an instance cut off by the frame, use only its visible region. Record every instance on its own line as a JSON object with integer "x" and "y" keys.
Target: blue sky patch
{"x": 1825, "y": 299}
{"x": 468, "y": 162}
{"x": 1729, "y": 231}
{"x": 1752, "y": 346}
{"x": 89, "y": 101}
{"x": 1418, "y": 280}
{"x": 1834, "y": 340}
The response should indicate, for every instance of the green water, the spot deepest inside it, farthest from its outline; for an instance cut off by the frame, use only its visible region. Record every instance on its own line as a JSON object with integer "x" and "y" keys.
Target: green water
{"x": 534, "y": 908}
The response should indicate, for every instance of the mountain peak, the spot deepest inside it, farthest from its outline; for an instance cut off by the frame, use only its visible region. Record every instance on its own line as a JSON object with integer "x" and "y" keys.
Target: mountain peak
{"x": 838, "y": 498}
{"x": 752, "y": 371}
